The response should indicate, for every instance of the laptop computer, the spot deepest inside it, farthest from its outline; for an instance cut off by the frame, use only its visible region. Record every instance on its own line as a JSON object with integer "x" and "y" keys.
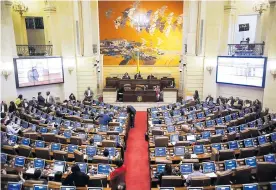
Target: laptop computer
{"x": 252, "y": 186}
{"x": 230, "y": 164}
{"x": 14, "y": 186}
{"x": 251, "y": 161}
{"x": 209, "y": 169}
{"x": 19, "y": 161}
{"x": 223, "y": 187}
{"x": 160, "y": 151}
{"x": 103, "y": 169}
{"x": 40, "y": 187}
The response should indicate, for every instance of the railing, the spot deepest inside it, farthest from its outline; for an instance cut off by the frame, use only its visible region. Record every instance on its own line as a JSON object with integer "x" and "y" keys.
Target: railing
{"x": 34, "y": 50}
{"x": 246, "y": 49}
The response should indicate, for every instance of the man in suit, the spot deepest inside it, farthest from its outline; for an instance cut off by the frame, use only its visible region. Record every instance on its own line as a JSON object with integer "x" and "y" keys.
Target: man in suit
{"x": 40, "y": 99}
{"x": 4, "y": 107}
{"x": 88, "y": 95}
{"x": 150, "y": 76}
{"x": 137, "y": 75}
{"x": 220, "y": 100}
{"x": 33, "y": 102}
{"x": 238, "y": 103}
{"x": 131, "y": 110}
{"x": 209, "y": 98}
{"x": 50, "y": 99}
{"x": 126, "y": 76}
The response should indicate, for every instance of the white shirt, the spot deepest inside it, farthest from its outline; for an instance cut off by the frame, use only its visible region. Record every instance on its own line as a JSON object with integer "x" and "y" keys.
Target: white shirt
{"x": 48, "y": 98}
{"x": 89, "y": 92}
{"x": 11, "y": 131}
{"x": 3, "y": 109}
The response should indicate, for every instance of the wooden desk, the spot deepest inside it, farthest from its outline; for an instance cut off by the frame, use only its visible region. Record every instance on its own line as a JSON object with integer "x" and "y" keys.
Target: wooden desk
{"x": 139, "y": 96}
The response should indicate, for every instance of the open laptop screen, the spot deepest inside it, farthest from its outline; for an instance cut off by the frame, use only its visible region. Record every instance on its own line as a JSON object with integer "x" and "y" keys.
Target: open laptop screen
{"x": 186, "y": 168}
{"x": 19, "y": 161}
{"x": 14, "y": 186}
{"x": 208, "y": 167}
{"x": 253, "y": 186}
{"x": 40, "y": 187}
{"x": 103, "y": 169}
{"x": 160, "y": 151}
{"x": 39, "y": 163}
{"x": 179, "y": 150}
{"x": 251, "y": 161}
{"x": 230, "y": 164}
{"x": 198, "y": 149}
{"x": 91, "y": 150}
{"x": 269, "y": 158}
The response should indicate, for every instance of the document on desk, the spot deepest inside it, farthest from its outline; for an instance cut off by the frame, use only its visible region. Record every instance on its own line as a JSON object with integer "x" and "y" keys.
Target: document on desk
{"x": 194, "y": 156}
{"x": 211, "y": 175}
{"x": 30, "y": 171}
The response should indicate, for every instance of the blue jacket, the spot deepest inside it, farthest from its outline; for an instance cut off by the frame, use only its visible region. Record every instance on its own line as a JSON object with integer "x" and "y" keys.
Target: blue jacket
{"x": 104, "y": 119}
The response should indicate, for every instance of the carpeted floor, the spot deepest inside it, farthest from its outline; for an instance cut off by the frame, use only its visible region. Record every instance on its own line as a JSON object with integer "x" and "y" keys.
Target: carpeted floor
{"x": 136, "y": 159}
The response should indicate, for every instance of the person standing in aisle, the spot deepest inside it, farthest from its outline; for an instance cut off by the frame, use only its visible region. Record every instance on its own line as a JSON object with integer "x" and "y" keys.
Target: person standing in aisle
{"x": 132, "y": 112}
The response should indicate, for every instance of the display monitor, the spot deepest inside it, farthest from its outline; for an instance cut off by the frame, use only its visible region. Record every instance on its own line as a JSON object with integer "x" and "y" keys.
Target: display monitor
{"x": 19, "y": 161}
{"x": 198, "y": 149}
{"x": 118, "y": 129}
{"x": 234, "y": 115}
{"x": 233, "y": 145}
{"x": 273, "y": 185}
{"x": 97, "y": 138}
{"x": 223, "y": 187}
{"x": 111, "y": 150}
{"x": 160, "y": 168}
{"x": 91, "y": 150}
{"x": 39, "y": 144}
{"x": 94, "y": 188}
{"x": 252, "y": 186}
{"x": 72, "y": 148}
{"x": 170, "y": 128}
{"x": 36, "y": 71}
{"x": 67, "y": 134}
{"x": 166, "y": 188}
{"x": 25, "y": 141}
{"x": 4, "y": 158}
{"x": 248, "y": 143}
{"x": 55, "y": 146}
{"x": 13, "y": 139}
{"x": 39, "y": 163}
{"x": 208, "y": 167}
{"x": 206, "y": 134}
{"x": 200, "y": 115}
{"x": 103, "y": 169}
{"x": 216, "y": 146}
{"x": 160, "y": 151}
{"x": 43, "y": 130}
{"x": 261, "y": 140}
{"x": 227, "y": 118}
{"x": 40, "y": 187}
{"x": 220, "y": 131}
{"x": 179, "y": 150}
{"x": 83, "y": 167}
{"x": 14, "y": 186}
{"x": 174, "y": 138}
{"x": 59, "y": 166}
{"x": 251, "y": 161}
{"x": 186, "y": 168}
{"x": 273, "y": 137}
{"x": 246, "y": 71}
{"x": 67, "y": 188}
{"x": 219, "y": 121}
{"x": 24, "y": 124}
{"x": 232, "y": 129}
{"x": 210, "y": 123}
{"x": 270, "y": 158}
{"x": 230, "y": 164}
{"x": 103, "y": 128}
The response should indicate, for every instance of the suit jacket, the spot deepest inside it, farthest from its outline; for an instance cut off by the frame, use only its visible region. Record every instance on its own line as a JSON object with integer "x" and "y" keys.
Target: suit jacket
{"x": 221, "y": 99}
{"x": 33, "y": 103}
{"x": 5, "y": 107}
{"x": 86, "y": 93}
{"x": 51, "y": 100}
{"x": 41, "y": 100}
{"x": 210, "y": 99}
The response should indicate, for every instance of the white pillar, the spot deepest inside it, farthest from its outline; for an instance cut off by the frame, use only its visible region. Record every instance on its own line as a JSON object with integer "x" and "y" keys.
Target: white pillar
{"x": 193, "y": 16}
{"x": 8, "y": 52}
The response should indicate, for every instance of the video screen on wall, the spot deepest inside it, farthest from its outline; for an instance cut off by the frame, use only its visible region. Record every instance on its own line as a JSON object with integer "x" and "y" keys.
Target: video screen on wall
{"x": 38, "y": 71}
{"x": 246, "y": 71}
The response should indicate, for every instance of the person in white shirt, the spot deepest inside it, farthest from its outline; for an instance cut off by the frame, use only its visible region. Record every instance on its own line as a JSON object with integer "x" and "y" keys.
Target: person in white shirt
{"x": 88, "y": 94}
{"x": 196, "y": 172}
{"x": 10, "y": 128}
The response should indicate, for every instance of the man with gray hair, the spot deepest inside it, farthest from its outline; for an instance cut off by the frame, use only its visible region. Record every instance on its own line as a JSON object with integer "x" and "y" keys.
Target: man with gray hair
{"x": 88, "y": 94}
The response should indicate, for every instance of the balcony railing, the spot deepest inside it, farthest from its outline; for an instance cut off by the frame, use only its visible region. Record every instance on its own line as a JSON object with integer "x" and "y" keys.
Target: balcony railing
{"x": 34, "y": 50}
{"x": 246, "y": 49}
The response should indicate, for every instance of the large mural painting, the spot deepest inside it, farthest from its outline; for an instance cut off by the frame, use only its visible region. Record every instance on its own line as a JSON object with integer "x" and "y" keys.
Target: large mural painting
{"x": 141, "y": 32}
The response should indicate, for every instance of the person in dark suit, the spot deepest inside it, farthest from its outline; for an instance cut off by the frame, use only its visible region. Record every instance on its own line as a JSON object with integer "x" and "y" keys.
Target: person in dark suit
{"x": 12, "y": 107}
{"x": 132, "y": 111}
{"x": 49, "y": 99}
{"x": 72, "y": 97}
{"x": 40, "y": 99}
{"x": 196, "y": 97}
{"x": 230, "y": 101}
{"x": 237, "y": 103}
{"x": 150, "y": 76}
{"x": 33, "y": 102}
{"x": 137, "y": 75}
{"x": 76, "y": 178}
{"x": 126, "y": 76}
{"x": 209, "y": 98}
{"x": 88, "y": 94}
{"x": 220, "y": 100}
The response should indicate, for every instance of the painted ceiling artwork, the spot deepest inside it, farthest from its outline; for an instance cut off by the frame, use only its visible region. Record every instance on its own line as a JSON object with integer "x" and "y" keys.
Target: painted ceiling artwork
{"x": 141, "y": 32}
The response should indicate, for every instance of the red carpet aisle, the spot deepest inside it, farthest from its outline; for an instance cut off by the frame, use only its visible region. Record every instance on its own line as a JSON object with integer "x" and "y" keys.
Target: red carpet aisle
{"x": 136, "y": 158}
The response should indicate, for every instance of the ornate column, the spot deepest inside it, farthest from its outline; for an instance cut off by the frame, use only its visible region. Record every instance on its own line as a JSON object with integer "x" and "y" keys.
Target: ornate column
{"x": 8, "y": 52}
{"x": 51, "y": 25}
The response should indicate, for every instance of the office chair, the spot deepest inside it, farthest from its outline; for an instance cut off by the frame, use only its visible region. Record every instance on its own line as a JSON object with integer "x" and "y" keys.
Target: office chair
{"x": 60, "y": 155}
{"x": 60, "y": 139}
{"x": 224, "y": 113}
{"x": 79, "y": 157}
{"x": 264, "y": 149}
{"x": 161, "y": 141}
{"x": 171, "y": 181}
{"x": 215, "y": 138}
{"x": 241, "y": 120}
{"x": 182, "y": 143}
{"x": 254, "y": 132}
{"x": 157, "y": 132}
{"x": 24, "y": 150}
{"x": 100, "y": 159}
{"x": 247, "y": 152}
{"x": 226, "y": 155}
{"x": 231, "y": 136}
{"x": 242, "y": 175}
{"x": 43, "y": 153}
{"x": 97, "y": 181}
{"x": 33, "y": 136}
{"x": 48, "y": 137}
{"x": 202, "y": 142}
{"x": 8, "y": 149}
{"x": 245, "y": 134}
{"x": 266, "y": 171}
{"x": 224, "y": 177}
{"x": 109, "y": 143}
{"x": 76, "y": 140}
{"x": 200, "y": 181}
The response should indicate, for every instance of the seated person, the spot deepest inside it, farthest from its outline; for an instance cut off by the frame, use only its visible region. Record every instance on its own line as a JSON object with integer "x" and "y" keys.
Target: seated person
{"x": 104, "y": 119}
{"x": 230, "y": 102}
{"x": 246, "y": 104}
{"x": 126, "y": 76}
{"x": 196, "y": 172}
{"x": 19, "y": 101}
{"x": 57, "y": 179}
{"x": 137, "y": 75}
{"x": 88, "y": 94}
{"x": 220, "y": 100}
{"x": 12, "y": 129}
{"x": 196, "y": 97}
{"x": 209, "y": 98}
{"x": 72, "y": 97}
{"x": 117, "y": 176}
{"x": 36, "y": 177}
{"x": 237, "y": 103}
{"x": 150, "y": 76}
{"x": 76, "y": 178}
{"x": 169, "y": 171}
